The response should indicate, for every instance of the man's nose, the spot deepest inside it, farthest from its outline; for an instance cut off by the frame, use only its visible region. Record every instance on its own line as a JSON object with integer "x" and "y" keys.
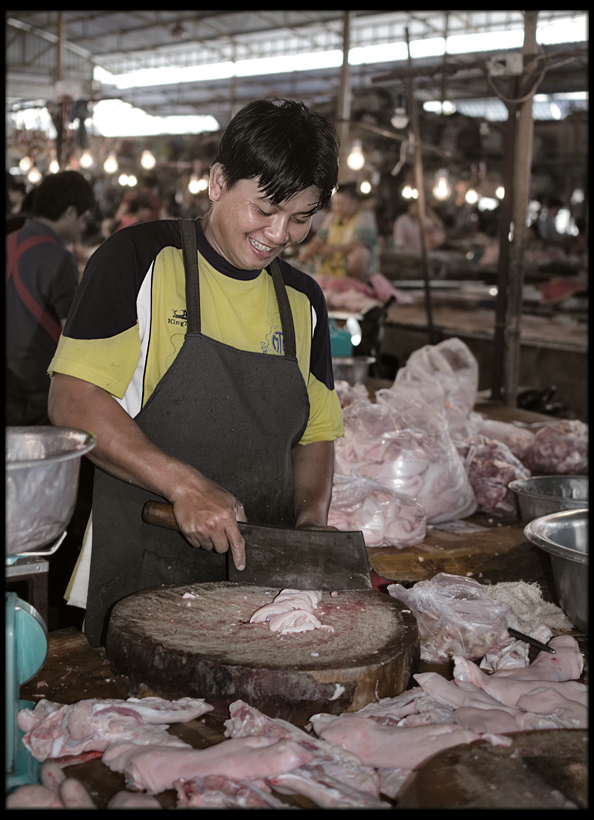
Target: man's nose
{"x": 278, "y": 229}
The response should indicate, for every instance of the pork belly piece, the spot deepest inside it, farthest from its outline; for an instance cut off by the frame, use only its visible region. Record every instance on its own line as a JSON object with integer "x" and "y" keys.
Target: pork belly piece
{"x": 508, "y": 689}
{"x": 334, "y": 770}
{"x": 156, "y": 768}
{"x": 97, "y": 723}
{"x": 563, "y": 712}
{"x": 133, "y": 800}
{"x": 33, "y": 796}
{"x": 314, "y": 782}
{"x": 220, "y": 792}
{"x": 566, "y": 664}
{"x": 392, "y": 747}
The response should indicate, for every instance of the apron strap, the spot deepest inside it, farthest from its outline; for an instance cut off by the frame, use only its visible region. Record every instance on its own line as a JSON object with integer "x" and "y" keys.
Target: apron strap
{"x": 190, "y": 254}
{"x": 288, "y": 327}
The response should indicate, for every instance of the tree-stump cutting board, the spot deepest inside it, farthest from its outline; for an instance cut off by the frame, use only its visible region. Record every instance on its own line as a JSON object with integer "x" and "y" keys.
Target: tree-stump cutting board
{"x": 196, "y": 640}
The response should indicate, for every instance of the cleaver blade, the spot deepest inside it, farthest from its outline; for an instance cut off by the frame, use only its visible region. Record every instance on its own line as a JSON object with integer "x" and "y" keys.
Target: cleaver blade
{"x": 289, "y": 558}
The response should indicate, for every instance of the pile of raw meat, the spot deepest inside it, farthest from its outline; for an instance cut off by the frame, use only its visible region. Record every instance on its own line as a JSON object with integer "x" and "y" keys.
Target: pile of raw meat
{"x": 353, "y": 760}
{"x": 291, "y": 611}
{"x": 421, "y": 440}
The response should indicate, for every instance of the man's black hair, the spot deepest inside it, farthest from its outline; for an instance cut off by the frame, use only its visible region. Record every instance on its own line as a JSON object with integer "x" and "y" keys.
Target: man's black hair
{"x": 57, "y": 192}
{"x": 284, "y": 145}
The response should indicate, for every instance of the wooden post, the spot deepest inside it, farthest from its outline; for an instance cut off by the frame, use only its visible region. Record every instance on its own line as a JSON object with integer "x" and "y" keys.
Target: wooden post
{"x": 344, "y": 98}
{"x": 522, "y": 169}
{"x": 420, "y": 183}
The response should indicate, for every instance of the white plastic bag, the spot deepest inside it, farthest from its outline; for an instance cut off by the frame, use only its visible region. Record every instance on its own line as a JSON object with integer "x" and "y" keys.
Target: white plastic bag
{"x": 452, "y": 364}
{"x": 455, "y": 617}
{"x": 404, "y": 444}
{"x": 385, "y": 517}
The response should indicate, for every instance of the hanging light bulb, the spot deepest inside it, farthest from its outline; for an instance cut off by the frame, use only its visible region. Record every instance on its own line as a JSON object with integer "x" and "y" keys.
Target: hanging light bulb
{"x": 54, "y": 166}
{"x": 110, "y": 166}
{"x": 148, "y": 160}
{"x": 194, "y": 184}
{"x": 26, "y": 164}
{"x": 356, "y": 160}
{"x": 365, "y": 187}
{"x": 132, "y": 181}
{"x": 123, "y": 179}
{"x": 442, "y": 189}
{"x": 471, "y": 196}
{"x": 400, "y": 117}
{"x": 86, "y": 160}
{"x": 500, "y": 192}
{"x": 34, "y": 175}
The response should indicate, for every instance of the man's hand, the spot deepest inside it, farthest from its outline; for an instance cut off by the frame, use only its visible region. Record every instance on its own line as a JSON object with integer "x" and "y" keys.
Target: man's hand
{"x": 207, "y": 518}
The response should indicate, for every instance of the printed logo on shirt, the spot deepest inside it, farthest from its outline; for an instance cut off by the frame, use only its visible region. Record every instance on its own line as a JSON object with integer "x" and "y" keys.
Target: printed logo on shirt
{"x": 273, "y": 342}
{"x": 179, "y": 317}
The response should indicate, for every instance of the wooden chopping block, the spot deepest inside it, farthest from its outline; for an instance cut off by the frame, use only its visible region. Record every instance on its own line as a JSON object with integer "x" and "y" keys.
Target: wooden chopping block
{"x": 203, "y": 645}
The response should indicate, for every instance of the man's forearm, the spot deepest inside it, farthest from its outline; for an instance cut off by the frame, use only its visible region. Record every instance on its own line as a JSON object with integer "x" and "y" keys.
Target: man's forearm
{"x": 122, "y": 448}
{"x": 313, "y": 472}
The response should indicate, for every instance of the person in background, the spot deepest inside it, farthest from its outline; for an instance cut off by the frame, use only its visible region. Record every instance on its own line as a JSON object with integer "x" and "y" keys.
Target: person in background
{"x": 41, "y": 282}
{"x": 200, "y": 358}
{"x": 407, "y": 230}
{"x": 139, "y": 210}
{"x": 546, "y": 225}
{"x": 347, "y": 242}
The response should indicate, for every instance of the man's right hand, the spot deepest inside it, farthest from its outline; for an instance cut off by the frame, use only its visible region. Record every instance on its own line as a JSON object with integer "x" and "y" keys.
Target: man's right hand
{"x": 207, "y": 518}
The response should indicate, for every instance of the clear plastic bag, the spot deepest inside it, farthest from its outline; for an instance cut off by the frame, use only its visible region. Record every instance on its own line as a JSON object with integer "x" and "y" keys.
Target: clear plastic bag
{"x": 404, "y": 444}
{"x": 452, "y": 364}
{"x": 490, "y": 466}
{"x": 385, "y": 517}
{"x": 455, "y": 617}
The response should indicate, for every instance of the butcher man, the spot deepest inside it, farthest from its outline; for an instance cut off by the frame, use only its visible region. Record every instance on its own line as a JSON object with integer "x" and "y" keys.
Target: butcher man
{"x": 201, "y": 361}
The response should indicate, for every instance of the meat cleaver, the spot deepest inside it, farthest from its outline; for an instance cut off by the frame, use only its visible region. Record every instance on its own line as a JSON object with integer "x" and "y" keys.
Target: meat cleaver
{"x": 288, "y": 558}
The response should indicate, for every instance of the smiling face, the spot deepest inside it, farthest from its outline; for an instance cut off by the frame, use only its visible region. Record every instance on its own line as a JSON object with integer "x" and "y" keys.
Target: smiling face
{"x": 245, "y": 228}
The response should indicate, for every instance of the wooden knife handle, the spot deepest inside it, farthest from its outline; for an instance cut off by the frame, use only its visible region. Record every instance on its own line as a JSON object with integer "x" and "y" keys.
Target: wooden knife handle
{"x": 159, "y": 514}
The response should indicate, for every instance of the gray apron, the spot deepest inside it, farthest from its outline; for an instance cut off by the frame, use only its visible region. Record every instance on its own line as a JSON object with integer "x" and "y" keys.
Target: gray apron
{"x": 235, "y": 416}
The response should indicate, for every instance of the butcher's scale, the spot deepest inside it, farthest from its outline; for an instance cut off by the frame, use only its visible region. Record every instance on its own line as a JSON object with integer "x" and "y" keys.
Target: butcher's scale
{"x": 42, "y": 470}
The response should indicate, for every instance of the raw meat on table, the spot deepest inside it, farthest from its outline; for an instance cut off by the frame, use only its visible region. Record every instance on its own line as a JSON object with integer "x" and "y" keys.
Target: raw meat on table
{"x": 156, "y": 768}
{"x": 291, "y": 611}
{"x": 54, "y": 730}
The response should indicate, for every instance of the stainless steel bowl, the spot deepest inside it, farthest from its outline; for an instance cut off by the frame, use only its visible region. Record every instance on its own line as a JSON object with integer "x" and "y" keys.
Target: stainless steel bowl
{"x": 544, "y": 495}
{"x": 564, "y": 535}
{"x": 352, "y": 369}
{"x": 42, "y": 470}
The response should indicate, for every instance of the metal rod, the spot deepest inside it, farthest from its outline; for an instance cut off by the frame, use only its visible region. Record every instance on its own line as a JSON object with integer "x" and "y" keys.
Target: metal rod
{"x": 532, "y": 641}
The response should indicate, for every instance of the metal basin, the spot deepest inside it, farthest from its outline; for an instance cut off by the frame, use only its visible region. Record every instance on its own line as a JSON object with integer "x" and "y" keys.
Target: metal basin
{"x": 564, "y": 535}
{"x": 544, "y": 495}
{"x": 42, "y": 470}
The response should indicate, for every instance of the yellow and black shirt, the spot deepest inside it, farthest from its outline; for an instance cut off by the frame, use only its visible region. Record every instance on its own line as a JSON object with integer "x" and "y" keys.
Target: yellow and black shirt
{"x": 128, "y": 321}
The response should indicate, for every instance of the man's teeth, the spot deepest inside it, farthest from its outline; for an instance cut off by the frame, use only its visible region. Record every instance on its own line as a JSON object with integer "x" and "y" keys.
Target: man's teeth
{"x": 259, "y": 246}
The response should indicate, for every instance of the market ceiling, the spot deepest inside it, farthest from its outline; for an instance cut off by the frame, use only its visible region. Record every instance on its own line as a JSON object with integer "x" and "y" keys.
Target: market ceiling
{"x": 37, "y": 68}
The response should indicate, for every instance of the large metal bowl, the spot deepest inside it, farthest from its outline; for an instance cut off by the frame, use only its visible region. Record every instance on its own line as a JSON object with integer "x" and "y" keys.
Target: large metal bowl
{"x": 42, "y": 470}
{"x": 564, "y": 535}
{"x": 544, "y": 495}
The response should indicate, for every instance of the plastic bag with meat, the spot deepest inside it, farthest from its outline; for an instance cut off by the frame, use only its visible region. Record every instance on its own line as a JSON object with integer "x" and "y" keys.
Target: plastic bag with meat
{"x": 518, "y": 439}
{"x": 455, "y": 617}
{"x": 385, "y": 517}
{"x": 490, "y": 466}
{"x": 454, "y": 366}
{"x": 560, "y": 448}
{"x": 404, "y": 444}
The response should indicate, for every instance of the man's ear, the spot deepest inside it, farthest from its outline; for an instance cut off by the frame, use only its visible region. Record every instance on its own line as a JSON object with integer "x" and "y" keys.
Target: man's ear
{"x": 70, "y": 212}
{"x": 217, "y": 182}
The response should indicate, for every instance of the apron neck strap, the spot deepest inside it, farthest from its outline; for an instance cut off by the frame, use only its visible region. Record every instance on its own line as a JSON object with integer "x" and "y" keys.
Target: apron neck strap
{"x": 190, "y": 254}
